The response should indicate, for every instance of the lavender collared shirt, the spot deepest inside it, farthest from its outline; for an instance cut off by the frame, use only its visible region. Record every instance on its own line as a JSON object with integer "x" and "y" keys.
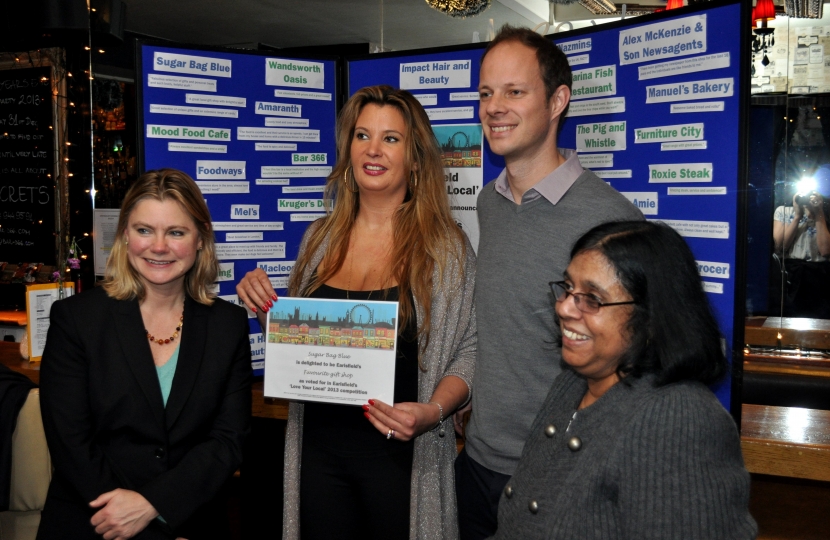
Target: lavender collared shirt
{"x": 552, "y": 187}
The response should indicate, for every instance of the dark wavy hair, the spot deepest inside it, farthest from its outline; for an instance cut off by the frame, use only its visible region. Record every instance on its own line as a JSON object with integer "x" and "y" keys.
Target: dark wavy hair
{"x": 672, "y": 331}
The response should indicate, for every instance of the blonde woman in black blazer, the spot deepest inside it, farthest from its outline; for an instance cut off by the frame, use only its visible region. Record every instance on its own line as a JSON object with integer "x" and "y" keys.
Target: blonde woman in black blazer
{"x": 146, "y": 380}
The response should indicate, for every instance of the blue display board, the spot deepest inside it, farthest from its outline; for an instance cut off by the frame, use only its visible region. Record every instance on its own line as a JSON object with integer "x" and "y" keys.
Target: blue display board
{"x": 655, "y": 111}
{"x": 256, "y": 132}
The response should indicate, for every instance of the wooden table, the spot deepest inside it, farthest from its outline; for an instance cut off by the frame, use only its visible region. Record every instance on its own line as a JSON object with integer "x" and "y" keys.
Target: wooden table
{"x": 788, "y": 332}
{"x": 786, "y": 441}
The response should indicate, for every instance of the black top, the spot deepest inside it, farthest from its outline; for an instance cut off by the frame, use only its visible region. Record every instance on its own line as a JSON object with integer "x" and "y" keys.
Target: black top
{"x": 325, "y": 423}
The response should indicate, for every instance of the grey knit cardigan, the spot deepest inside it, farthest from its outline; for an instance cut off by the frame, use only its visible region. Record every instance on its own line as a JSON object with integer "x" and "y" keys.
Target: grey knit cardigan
{"x": 451, "y": 351}
{"x": 657, "y": 463}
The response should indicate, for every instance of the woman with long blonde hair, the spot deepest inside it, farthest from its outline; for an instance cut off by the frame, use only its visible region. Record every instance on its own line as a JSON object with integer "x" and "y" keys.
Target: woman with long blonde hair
{"x": 389, "y": 236}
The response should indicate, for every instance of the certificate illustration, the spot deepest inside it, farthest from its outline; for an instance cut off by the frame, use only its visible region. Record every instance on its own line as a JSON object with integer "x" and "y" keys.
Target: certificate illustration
{"x": 333, "y": 351}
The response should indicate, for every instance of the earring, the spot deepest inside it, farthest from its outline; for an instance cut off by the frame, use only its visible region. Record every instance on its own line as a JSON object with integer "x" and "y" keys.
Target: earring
{"x": 346, "y": 180}
{"x": 126, "y": 242}
{"x": 413, "y": 179}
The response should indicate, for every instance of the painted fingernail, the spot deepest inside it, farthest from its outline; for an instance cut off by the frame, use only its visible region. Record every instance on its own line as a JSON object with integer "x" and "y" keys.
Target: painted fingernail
{"x": 274, "y": 297}
{"x": 371, "y": 402}
{"x": 365, "y": 407}
{"x": 264, "y": 308}
{"x": 270, "y": 303}
{"x": 366, "y": 415}
{"x": 253, "y": 309}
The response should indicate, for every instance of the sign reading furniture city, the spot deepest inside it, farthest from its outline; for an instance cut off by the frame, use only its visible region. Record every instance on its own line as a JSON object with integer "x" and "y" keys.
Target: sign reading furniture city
{"x": 255, "y": 131}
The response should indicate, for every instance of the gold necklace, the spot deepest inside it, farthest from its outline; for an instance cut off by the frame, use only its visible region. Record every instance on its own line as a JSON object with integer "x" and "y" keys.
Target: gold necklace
{"x": 171, "y": 338}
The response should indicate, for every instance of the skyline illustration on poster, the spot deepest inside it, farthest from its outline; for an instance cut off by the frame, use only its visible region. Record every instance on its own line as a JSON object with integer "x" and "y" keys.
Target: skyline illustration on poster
{"x": 361, "y": 324}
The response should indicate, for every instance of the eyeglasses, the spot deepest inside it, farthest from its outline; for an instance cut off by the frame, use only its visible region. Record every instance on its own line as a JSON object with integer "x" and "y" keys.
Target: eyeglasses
{"x": 584, "y": 302}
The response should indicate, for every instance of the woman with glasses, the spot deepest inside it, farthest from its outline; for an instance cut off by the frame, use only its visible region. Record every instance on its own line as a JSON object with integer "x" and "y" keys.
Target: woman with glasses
{"x": 630, "y": 442}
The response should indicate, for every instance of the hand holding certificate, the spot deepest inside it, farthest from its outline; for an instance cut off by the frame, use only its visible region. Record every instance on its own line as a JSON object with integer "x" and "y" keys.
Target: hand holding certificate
{"x": 334, "y": 351}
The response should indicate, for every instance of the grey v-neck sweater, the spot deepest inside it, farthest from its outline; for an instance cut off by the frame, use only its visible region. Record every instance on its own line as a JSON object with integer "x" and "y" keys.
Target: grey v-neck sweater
{"x": 521, "y": 249}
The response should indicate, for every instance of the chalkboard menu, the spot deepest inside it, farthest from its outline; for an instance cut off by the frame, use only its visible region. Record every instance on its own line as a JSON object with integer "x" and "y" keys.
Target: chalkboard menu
{"x": 27, "y": 193}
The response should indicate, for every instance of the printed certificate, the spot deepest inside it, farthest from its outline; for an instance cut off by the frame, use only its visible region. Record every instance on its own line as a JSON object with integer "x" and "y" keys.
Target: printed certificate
{"x": 333, "y": 351}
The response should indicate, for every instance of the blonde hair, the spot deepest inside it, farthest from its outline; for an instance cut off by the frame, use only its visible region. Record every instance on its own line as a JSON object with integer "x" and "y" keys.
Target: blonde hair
{"x": 121, "y": 280}
{"x": 425, "y": 233}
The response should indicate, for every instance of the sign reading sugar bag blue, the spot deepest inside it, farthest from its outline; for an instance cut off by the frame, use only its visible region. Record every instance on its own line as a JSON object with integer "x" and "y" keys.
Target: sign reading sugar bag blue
{"x": 256, "y": 132}
{"x": 654, "y": 111}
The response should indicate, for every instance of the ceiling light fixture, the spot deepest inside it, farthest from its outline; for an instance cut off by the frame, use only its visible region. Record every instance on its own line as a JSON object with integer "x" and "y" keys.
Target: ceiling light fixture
{"x": 459, "y": 8}
{"x": 598, "y": 7}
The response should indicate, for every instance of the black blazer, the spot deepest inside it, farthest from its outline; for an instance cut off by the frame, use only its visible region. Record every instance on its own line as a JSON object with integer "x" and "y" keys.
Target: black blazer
{"x": 106, "y": 424}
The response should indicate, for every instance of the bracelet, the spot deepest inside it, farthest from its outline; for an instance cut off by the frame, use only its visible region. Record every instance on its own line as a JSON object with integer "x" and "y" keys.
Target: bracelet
{"x": 439, "y": 426}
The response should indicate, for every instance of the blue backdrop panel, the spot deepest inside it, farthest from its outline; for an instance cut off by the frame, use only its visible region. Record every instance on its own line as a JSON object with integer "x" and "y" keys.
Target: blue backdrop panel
{"x": 242, "y": 131}
{"x": 692, "y": 59}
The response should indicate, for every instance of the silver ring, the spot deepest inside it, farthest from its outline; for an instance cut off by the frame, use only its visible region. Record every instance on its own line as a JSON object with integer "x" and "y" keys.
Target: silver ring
{"x": 390, "y": 434}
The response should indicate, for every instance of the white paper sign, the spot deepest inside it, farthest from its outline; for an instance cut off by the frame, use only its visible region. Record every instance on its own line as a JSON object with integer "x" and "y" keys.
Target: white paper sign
{"x": 601, "y": 136}
{"x": 703, "y": 106}
{"x": 646, "y": 201}
{"x": 224, "y": 101}
{"x": 679, "y": 173}
{"x": 277, "y": 134}
{"x": 180, "y": 83}
{"x": 285, "y": 72}
{"x": 450, "y": 113}
{"x": 571, "y": 47}
{"x": 274, "y": 147}
{"x": 104, "y": 225}
{"x": 705, "y": 62}
{"x": 333, "y": 351}
{"x": 668, "y": 39}
{"x": 699, "y": 229}
{"x": 247, "y": 225}
{"x": 196, "y": 65}
{"x": 311, "y": 171}
{"x": 596, "y": 106}
{"x": 215, "y": 170}
{"x": 594, "y": 82}
{"x": 193, "y": 133}
{"x": 713, "y": 269}
{"x": 579, "y": 59}
{"x": 196, "y": 147}
{"x": 301, "y": 205}
{"x": 225, "y": 271}
{"x": 619, "y": 173}
{"x": 427, "y": 100}
{"x": 278, "y": 109}
{"x": 299, "y": 94}
{"x": 228, "y": 186}
{"x": 286, "y": 122}
{"x": 251, "y": 250}
{"x": 306, "y": 217}
{"x": 713, "y": 287}
{"x": 276, "y": 267}
{"x": 687, "y": 91}
{"x": 679, "y": 132}
{"x": 243, "y": 236}
{"x": 193, "y": 111}
{"x": 438, "y": 74}
{"x": 684, "y": 145}
{"x": 590, "y": 161}
{"x": 714, "y": 190}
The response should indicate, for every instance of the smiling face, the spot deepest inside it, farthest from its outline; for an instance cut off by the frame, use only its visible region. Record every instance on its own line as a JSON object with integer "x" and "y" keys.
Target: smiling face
{"x": 378, "y": 151}
{"x": 518, "y": 119}
{"x": 593, "y": 344}
{"x": 162, "y": 242}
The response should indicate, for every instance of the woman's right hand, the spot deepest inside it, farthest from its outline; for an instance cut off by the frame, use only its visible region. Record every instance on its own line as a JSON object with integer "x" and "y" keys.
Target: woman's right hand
{"x": 255, "y": 291}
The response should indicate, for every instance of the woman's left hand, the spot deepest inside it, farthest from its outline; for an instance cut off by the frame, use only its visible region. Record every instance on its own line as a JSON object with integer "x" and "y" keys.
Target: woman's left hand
{"x": 122, "y": 514}
{"x": 407, "y": 420}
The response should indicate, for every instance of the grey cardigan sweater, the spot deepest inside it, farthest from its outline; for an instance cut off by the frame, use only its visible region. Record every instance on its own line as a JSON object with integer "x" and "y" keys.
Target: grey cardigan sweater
{"x": 654, "y": 463}
{"x": 451, "y": 351}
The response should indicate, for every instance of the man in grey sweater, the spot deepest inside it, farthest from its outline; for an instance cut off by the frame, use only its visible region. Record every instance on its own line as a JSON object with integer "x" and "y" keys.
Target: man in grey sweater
{"x": 529, "y": 218}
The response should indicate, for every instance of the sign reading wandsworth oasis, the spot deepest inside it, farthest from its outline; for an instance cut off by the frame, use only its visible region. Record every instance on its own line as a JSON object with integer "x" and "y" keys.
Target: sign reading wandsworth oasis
{"x": 654, "y": 111}
{"x": 256, "y": 132}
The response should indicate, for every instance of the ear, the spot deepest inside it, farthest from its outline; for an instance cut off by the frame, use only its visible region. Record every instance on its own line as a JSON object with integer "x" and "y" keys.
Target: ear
{"x": 558, "y": 101}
